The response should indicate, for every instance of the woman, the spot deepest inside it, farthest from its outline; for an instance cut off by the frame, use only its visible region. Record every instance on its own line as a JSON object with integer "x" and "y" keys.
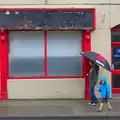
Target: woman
{"x": 93, "y": 79}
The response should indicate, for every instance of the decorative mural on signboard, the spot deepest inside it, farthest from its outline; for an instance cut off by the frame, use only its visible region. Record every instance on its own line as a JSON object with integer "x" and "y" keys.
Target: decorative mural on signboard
{"x": 46, "y": 19}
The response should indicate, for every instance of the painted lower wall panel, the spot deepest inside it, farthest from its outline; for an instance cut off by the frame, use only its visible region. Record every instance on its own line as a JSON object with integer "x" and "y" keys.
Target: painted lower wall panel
{"x": 46, "y": 89}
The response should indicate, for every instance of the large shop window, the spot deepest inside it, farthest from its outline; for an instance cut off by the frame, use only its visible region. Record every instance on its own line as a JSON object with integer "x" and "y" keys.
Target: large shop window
{"x": 26, "y": 54}
{"x": 27, "y": 58}
{"x": 63, "y": 50}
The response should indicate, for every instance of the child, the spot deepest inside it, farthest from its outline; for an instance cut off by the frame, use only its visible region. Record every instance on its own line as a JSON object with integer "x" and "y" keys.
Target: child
{"x": 105, "y": 93}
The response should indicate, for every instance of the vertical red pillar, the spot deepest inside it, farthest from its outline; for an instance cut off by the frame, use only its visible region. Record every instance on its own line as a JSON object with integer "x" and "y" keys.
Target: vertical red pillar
{"x": 3, "y": 64}
{"x": 86, "y": 47}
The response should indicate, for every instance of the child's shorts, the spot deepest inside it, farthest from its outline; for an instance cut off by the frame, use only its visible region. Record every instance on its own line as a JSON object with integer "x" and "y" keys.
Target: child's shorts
{"x": 104, "y": 100}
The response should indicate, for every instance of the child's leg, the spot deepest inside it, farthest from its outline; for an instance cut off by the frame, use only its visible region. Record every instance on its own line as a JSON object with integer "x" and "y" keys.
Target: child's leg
{"x": 101, "y": 106}
{"x": 109, "y": 106}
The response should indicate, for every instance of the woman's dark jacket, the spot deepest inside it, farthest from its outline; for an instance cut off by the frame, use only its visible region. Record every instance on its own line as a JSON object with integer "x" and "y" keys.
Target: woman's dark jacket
{"x": 94, "y": 74}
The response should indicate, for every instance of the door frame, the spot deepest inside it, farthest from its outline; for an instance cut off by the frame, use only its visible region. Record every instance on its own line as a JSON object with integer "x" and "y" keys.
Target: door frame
{"x": 3, "y": 64}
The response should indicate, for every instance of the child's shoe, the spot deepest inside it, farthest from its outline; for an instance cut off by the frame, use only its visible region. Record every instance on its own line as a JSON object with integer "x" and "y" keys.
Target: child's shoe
{"x": 98, "y": 110}
{"x": 89, "y": 103}
{"x": 109, "y": 109}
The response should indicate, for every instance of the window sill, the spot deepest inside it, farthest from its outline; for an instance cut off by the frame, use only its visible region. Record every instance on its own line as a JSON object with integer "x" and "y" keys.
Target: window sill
{"x": 44, "y": 77}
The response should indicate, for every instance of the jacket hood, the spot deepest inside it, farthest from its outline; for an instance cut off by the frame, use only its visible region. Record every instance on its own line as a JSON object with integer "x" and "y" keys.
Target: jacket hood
{"x": 104, "y": 78}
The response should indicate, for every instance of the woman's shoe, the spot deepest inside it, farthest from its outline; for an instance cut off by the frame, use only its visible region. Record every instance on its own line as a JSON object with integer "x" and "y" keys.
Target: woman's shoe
{"x": 93, "y": 104}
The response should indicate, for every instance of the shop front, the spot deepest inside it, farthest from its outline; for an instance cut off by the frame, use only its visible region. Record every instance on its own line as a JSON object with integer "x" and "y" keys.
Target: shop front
{"x": 44, "y": 45}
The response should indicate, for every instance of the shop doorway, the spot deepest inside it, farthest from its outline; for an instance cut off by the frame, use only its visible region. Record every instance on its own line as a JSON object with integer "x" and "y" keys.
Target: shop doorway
{"x": 115, "y": 54}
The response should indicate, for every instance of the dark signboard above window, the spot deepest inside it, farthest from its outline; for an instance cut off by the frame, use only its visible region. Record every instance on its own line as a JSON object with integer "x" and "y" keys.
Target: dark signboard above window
{"x": 55, "y": 19}
{"x": 116, "y": 27}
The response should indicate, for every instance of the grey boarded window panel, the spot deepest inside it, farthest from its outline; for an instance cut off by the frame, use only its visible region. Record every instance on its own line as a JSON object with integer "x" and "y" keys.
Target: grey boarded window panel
{"x": 46, "y": 19}
{"x": 26, "y": 55}
{"x": 63, "y": 49}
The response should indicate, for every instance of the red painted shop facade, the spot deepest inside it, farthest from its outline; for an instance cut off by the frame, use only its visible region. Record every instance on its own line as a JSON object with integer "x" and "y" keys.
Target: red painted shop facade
{"x": 44, "y": 43}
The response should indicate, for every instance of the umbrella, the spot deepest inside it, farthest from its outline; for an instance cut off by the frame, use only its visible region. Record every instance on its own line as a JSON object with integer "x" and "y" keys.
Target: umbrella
{"x": 97, "y": 58}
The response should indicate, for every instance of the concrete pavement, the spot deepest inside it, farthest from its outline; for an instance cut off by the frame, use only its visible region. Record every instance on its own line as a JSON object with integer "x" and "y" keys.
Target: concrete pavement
{"x": 54, "y": 108}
